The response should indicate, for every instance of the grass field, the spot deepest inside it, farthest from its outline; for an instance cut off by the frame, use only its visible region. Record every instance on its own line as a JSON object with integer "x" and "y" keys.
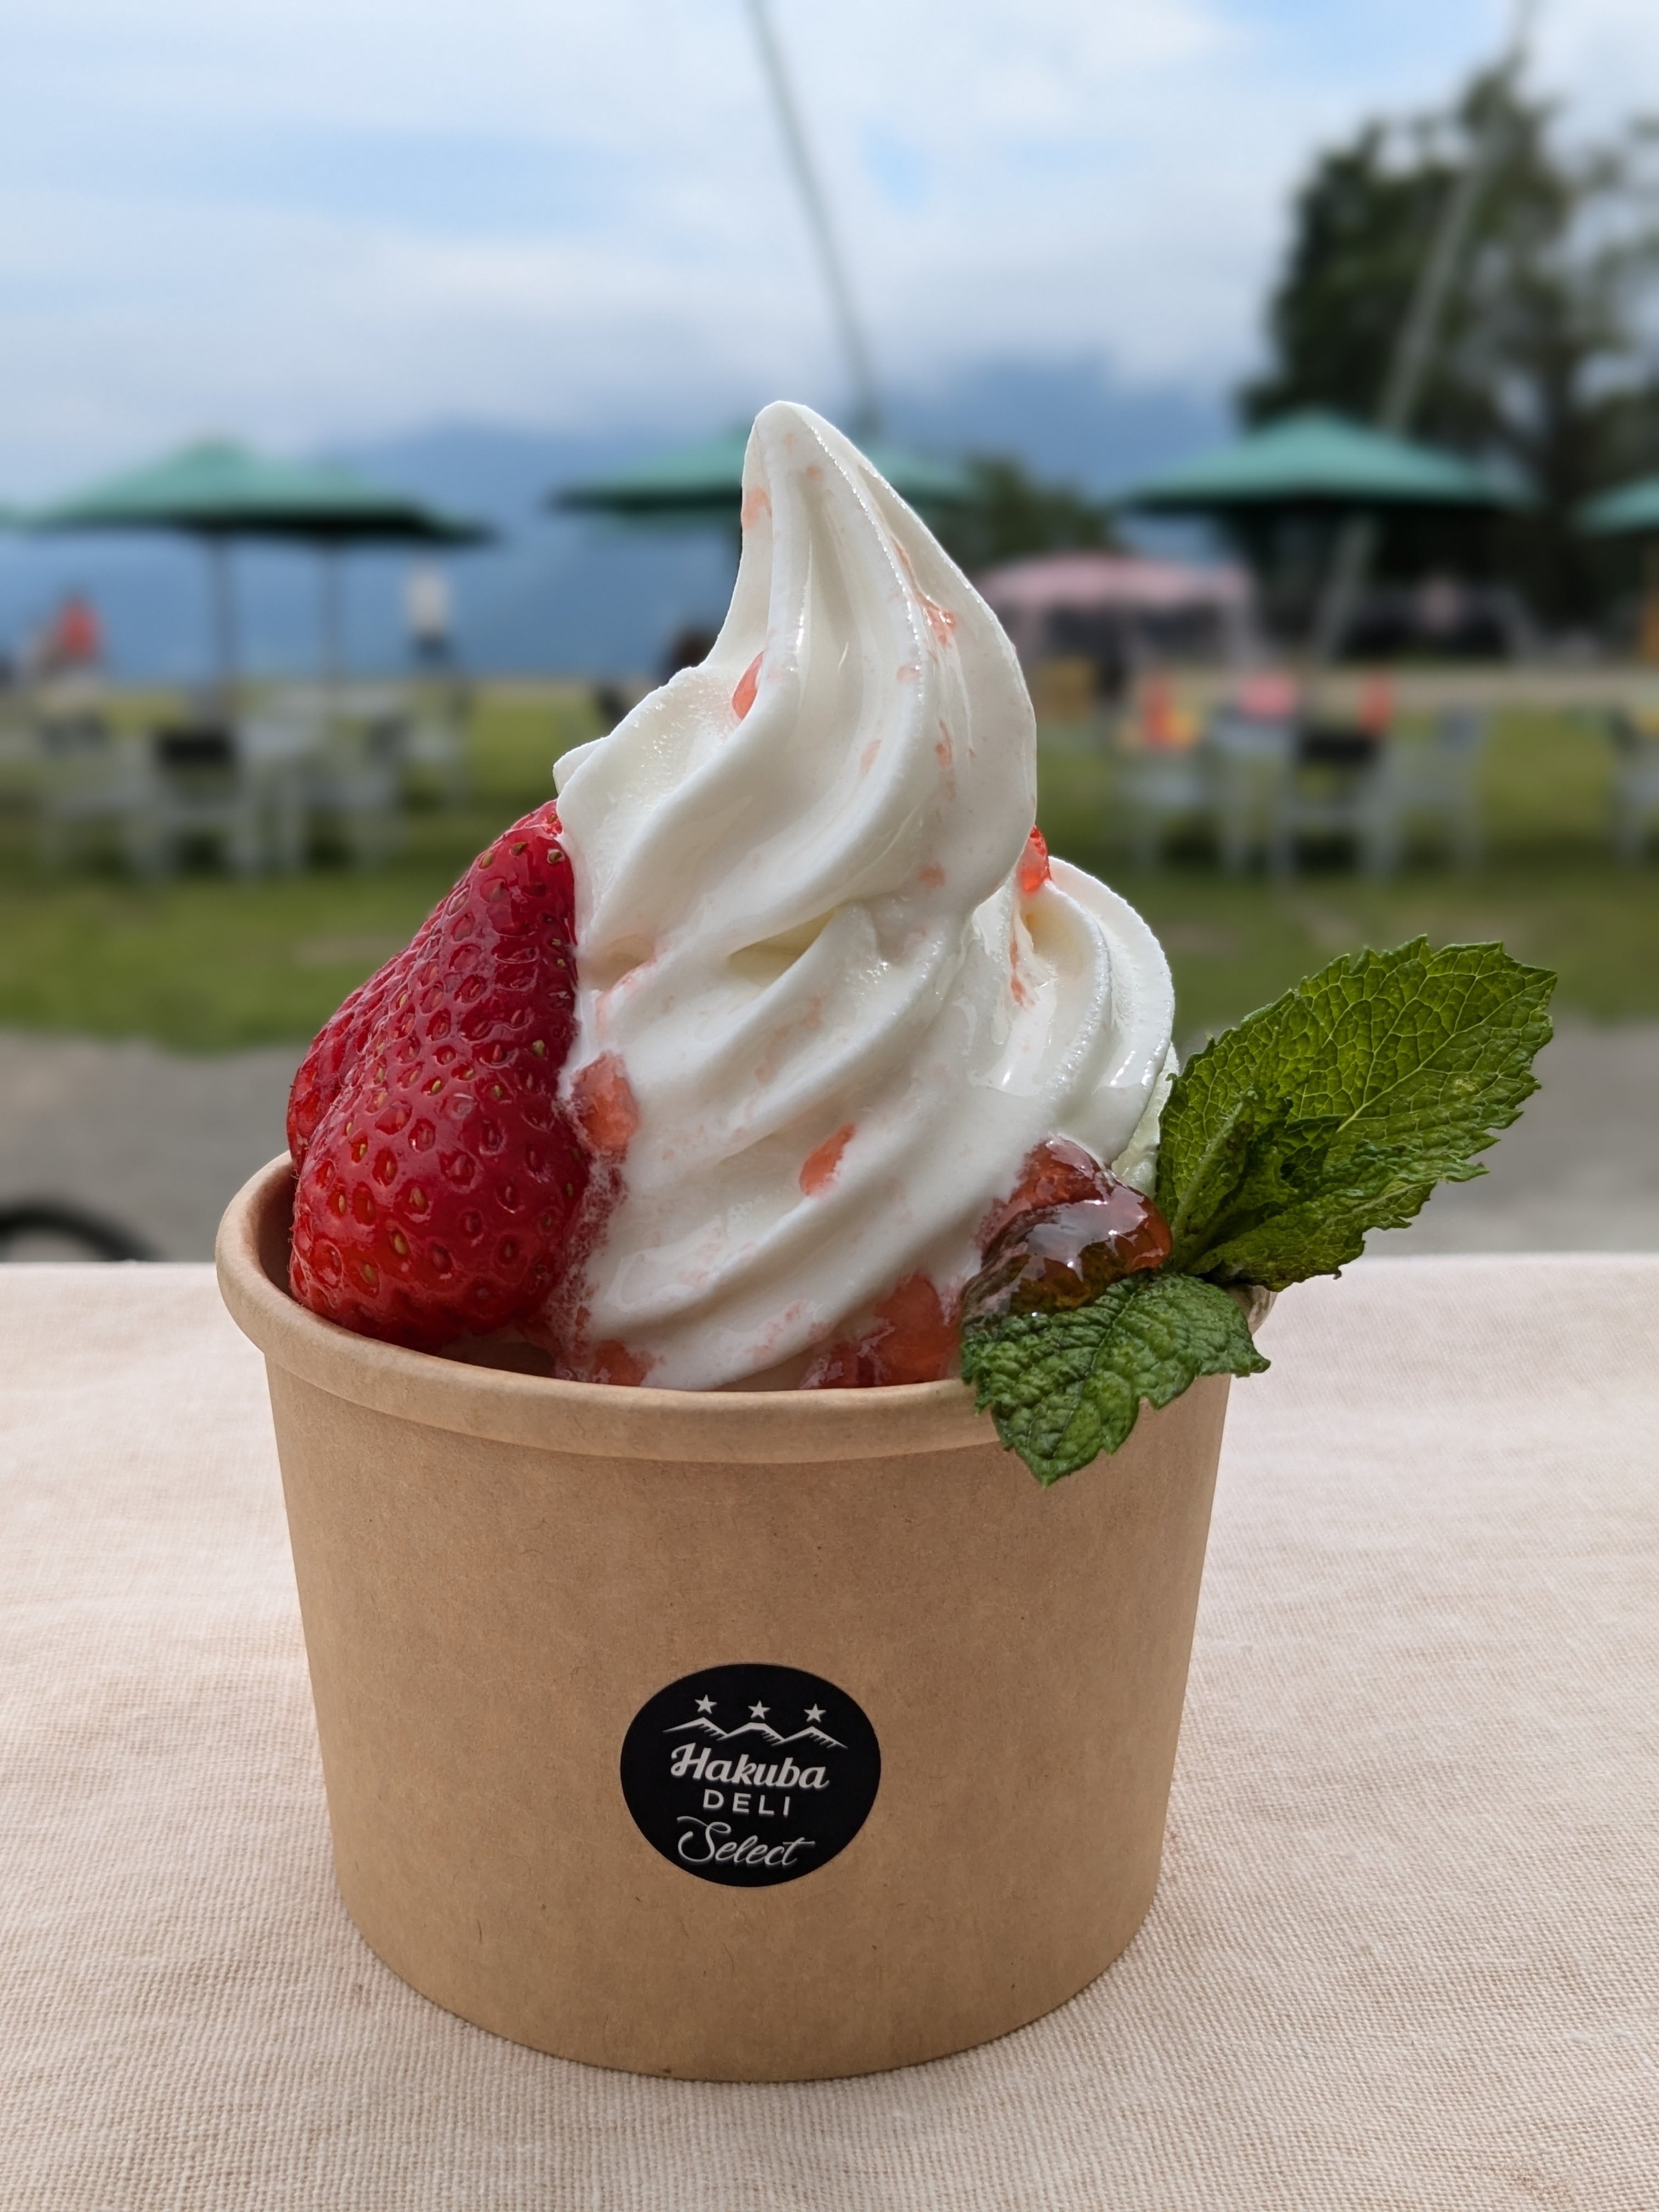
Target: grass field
{"x": 206, "y": 963}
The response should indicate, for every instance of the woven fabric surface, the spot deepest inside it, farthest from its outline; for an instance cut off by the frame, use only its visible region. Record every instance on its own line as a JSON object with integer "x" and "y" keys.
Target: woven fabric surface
{"x": 1405, "y": 1951}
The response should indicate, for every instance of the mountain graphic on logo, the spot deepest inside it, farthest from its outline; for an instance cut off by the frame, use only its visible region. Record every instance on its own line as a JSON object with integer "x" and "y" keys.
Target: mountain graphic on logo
{"x": 703, "y": 1726}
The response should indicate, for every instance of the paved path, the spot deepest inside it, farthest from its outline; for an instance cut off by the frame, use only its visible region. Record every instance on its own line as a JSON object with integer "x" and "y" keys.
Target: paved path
{"x": 1579, "y": 1171}
{"x": 155, "y": 1141}
{"x": 158, "y": 1141}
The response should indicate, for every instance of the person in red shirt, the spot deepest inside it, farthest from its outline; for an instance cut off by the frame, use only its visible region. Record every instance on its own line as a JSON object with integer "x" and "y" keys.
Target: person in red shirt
{"x": 76, "y": 639}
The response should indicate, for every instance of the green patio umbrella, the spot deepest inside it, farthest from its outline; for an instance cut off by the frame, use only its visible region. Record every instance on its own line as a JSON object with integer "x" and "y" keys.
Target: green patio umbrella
{"x": 1628, "y": 510}
{"x": 1323, "y": 462}
{"x": 217, "y": 491}
{"x": 703, "y": 483}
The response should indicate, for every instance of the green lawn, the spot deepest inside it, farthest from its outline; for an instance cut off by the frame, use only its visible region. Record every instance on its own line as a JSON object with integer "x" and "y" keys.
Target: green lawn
{"x": 206, "y": 963}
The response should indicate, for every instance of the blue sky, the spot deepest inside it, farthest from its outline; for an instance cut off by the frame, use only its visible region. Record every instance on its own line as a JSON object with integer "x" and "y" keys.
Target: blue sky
{"x": 333, "y": 220}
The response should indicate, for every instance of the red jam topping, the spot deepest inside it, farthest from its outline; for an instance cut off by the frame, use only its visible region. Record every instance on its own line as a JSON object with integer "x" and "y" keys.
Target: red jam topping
{"x": 1052, "y": 1174}
{"x": 1063, "y": 1255}
{"x": 1034, "y": 869}
{"x": 912, "y": 1340}
{"x": 603, "y": 1106}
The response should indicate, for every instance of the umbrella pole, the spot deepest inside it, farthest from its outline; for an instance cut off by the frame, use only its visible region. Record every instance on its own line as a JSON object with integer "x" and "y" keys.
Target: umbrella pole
{"x": 1414, "y": 348}
{"x": 222, "y": 586}
{"x": 867, "y": 402}
{"x": 1356, "y": 547}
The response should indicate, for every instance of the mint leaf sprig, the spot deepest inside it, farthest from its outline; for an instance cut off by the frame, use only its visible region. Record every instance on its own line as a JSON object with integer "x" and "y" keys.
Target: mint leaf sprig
{"x": 1065, "y": 1386}
{"x": 1331, "y": 1112}
{"x": 1337, "y": 1110}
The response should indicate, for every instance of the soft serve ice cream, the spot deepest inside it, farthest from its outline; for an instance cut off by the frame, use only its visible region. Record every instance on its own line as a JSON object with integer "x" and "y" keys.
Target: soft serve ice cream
{"x": 844, "y": 1009}
{"x": 731, "y": 1061}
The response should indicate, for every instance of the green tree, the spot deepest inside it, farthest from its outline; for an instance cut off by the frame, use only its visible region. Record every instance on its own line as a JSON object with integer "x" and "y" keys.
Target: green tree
{"x": 1012, "y": 515}
{"x": 1542, "y": 360}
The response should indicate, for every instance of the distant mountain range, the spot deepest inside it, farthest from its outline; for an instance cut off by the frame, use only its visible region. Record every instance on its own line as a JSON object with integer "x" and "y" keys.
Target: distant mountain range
{"x": 562, "y": 594}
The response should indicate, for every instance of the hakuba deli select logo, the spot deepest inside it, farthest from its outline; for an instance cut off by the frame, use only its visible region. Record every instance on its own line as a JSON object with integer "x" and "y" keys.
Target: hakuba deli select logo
{"x": 752, "y": 1775}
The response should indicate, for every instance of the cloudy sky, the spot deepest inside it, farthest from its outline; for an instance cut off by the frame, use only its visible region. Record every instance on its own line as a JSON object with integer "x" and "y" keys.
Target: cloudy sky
{"x": 315, "y": 220}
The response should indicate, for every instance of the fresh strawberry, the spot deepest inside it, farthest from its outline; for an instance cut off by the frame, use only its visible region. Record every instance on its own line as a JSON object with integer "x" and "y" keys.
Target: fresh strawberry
{"x": 439, "y": 1177}
{"x": 339, "y": 1043}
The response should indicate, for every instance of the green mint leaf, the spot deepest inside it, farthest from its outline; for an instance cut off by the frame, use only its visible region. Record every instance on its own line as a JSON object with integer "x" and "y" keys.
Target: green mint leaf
{"x": 1321, "y": 1233}
{"x": 1064, "y": 1386}
{"x": 1336, "y": 1109}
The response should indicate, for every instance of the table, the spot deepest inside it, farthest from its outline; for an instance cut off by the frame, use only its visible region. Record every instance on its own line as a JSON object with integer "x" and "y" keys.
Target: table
{"x": 1405, "y": 1953}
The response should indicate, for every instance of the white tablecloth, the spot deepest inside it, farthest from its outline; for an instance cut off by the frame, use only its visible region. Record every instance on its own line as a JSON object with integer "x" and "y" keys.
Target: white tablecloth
{"x": 1405, "y": 1953}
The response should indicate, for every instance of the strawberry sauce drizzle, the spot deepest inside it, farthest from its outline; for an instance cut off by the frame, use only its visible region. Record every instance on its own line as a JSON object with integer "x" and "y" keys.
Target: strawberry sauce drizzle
{"x": 818, "y": 1169}
{"x": 1034, "y": 869}
{"x": 911, "y": 1339}
{"x": 603, "y": 1106}
{"x": 614, "y": 1363}
{"x": 748, "y": 684}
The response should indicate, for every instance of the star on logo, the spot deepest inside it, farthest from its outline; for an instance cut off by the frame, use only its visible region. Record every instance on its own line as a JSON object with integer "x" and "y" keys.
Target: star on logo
{"x": 757, "y": 1712}
{"x": 815, "y": 1712}
{"x": 705, "y": 1704}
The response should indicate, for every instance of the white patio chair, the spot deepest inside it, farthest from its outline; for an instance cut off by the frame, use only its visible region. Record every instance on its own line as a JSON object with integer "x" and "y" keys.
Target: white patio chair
{"x": 1328, "y": 792}
{"x": 278, "y": 746}
{"x": 92, "y": 786}
{"x": 19, "y": 759}
{"x": 1159, "y": 791}
{"x": 355, "y": 786}
{"x": 434, "y": 754}
{"x": 200, "y": 793}
{"x": 1249, "y": 763}
{"x": 1431, "y": 783}
{"x": 1635, "y": 799}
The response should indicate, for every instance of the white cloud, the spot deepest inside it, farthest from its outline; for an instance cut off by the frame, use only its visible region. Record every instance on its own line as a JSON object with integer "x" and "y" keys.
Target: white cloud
{"x": 330, "y": 217}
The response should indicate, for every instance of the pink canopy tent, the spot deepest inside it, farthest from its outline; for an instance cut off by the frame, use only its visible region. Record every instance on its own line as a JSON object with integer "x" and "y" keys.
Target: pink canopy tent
{"x": 1117, "y": 606}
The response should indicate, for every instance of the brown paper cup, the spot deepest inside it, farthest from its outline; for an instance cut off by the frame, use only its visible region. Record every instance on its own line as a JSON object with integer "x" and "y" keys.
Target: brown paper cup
{"x": 752, "y": 1737}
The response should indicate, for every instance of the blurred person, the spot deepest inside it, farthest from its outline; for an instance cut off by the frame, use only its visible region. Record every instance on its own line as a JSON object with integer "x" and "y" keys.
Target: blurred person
{"x": 687, "y": 648}
{"x": 610, "y": 705}
{"x": 1375, "y": 704}
{"x": 1165, "y": 724}
{"x": 428, "y": 616}
{"x": 1268, "y": 695}
{"x": 73, "y": 644}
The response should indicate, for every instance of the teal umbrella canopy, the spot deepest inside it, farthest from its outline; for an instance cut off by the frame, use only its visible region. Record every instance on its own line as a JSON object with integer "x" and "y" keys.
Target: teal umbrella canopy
{"x": 703, "y": 483}
{"x": 217, "y": 489}
{"x": 1320, "y": 461}
{"x": 1628, "y": 510}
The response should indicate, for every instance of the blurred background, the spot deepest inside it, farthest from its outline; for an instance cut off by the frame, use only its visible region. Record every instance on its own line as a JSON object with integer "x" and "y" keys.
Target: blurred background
{"x": 375, "y": 381}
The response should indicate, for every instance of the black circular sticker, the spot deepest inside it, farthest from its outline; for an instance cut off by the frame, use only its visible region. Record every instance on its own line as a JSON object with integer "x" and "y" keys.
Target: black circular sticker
{"x": 749, "y": 1775}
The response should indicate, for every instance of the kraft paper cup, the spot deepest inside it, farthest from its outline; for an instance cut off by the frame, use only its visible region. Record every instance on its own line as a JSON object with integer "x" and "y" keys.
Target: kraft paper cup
{"x": 751, "y": 1736}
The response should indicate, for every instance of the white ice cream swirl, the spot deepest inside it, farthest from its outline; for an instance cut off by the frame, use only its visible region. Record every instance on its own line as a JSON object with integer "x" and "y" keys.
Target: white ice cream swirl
{"x": 801, "y": 932}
